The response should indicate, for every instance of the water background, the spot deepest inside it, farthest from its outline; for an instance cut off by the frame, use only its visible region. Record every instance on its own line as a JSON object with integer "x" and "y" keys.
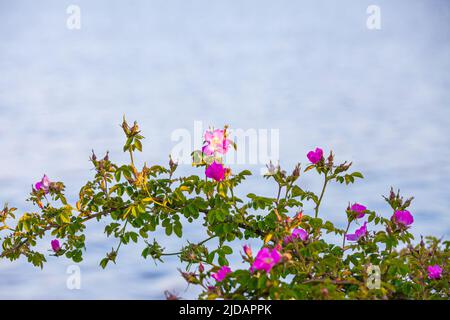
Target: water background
{"x": 308, "y": 68}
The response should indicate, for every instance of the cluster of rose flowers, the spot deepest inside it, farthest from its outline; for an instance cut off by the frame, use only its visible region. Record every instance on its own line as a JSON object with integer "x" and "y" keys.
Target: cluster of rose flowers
{"x": 217, "y": 144}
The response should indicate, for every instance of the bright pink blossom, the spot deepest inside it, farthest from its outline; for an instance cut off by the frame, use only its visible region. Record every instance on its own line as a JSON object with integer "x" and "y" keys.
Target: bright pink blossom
{"x": 297, "y": 234}
{"x": 44, "y": 184}
{"x": 359, "y": 233}
{"x": 216, "y": 171}
{"x": 403, "y": 217}
{"x": 216, "y": 141}
{"x": 434, "y": 272}
{"x": 221, "y": 274}
{"x": 266, "y": 259}
{"x": 55, "y": 245}
{"x": 315, "y": 156}
{"x": 358, "y": 209}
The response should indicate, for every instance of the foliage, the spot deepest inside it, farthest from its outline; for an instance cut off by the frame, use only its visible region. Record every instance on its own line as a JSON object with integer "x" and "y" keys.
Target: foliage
{"x": 135, "y": 202}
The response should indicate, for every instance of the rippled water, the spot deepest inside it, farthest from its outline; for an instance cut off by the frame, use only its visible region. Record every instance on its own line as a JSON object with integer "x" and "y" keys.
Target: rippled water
{"x": 310, "y": 69}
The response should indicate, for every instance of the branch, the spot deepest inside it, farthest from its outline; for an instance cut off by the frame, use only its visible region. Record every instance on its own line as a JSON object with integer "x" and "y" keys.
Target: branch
{"x": 180, "y": 252}
{"x": 47, "y": 228}
{"x": 316, "y": 209}
{"x": 331, "y": 281}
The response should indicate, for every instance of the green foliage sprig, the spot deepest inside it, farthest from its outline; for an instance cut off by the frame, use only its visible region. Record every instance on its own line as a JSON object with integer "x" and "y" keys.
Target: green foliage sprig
{"x": 295, "y": 261}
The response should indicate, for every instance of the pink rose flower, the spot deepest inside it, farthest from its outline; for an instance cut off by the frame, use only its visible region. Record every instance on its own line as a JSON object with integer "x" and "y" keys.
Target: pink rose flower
{"x": 434, "y": 272}
{"x": 221, "y": 274}
{"x": 266, "y": 259}
{"x": 403, "y": 217}
{"x": 297, "y": 234}
{"x": 216, "y": 171}
{"x": 359, "y": 233}
{"x": 44, "y": 184}
{"x": 358, "y": 209}
{"x": 55, "y": 245}
{"x": 216, "y": 141}
{"x": 315, "y": 156}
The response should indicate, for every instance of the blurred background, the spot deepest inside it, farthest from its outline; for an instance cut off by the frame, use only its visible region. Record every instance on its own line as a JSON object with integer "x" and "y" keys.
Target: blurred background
{"x": 311, "y": 69}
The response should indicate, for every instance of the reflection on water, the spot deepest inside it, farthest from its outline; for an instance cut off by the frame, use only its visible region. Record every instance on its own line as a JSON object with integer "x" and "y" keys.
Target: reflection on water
{"x": 311, "y": 70}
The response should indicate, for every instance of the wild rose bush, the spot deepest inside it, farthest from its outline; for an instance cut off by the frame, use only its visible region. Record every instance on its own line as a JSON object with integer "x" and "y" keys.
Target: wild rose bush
{"x": 294, "y": 261}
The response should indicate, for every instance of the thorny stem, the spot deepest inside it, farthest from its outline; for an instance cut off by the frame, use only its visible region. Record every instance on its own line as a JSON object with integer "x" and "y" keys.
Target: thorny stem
{"x": 279, "y": 194}
{"x": 131, "y": 158}
{"x": 121, "y": 237}
{"x": 345, "y": 234}
{"x": 316, "y": 209}
{"x": 180, "y": 252}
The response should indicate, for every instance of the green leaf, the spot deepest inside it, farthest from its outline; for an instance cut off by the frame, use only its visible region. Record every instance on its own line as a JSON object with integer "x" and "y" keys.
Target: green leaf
{"x": 358, "y": 175}
{"x": 349, "y": 179}
{"x": 138, "y": 145}
{"x": 118, "y": 174}
{"x": 178, "y": 229}
{"x": 210, "y": 257}
{"x": 227, "y": 250}
{"x": 104, "y": 263}
{"x": 65, "y": 217}
{"x": 169, "y": 230}
{"x": 222, "y": 261}
{"x": 297, "y": 191}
